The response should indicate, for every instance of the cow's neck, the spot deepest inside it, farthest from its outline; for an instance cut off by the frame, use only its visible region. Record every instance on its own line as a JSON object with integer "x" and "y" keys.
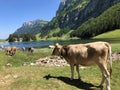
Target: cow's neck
{"x": 64, "y": 52}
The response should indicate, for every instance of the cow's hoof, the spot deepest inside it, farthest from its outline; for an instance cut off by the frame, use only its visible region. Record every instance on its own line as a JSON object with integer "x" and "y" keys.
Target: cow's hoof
{"x": 100, "y": 86}
{"x": 71, "y": 79}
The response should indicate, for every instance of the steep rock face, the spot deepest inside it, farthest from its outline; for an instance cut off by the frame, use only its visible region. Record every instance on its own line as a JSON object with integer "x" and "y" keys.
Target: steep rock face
{"x": 62, "y": 4}
{"x": 31, "y": 27}
{"x": 77, "y": 16}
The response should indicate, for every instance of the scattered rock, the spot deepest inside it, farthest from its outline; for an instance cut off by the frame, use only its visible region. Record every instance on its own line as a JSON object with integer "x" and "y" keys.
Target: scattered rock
{"x": 57, "y": 61}
{"x": 32, "y": 64}
{"x": 116, "y": 56}
{"x": 7, "y": 76}
{"x": 15, "y": 76}
{"x": 49, "y": 61}
{"x": 8, "y": 79}
{"x": 9, "y": 64}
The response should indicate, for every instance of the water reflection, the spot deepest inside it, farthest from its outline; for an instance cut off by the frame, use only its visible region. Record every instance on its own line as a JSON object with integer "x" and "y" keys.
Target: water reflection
{"x": 28, "y": 44}
{"x": 39, "y": 43}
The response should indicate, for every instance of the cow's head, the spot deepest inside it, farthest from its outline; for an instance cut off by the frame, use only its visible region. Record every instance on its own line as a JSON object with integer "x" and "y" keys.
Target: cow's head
{"x": 56, "y": 49}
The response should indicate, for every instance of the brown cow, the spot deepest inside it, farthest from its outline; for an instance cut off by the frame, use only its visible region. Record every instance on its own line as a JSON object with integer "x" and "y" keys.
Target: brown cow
{"x": 14, "y": 49}
{"x": 86, "y": 55}
{"x": 11, "y": 50}
{"x": 8, "y": 50}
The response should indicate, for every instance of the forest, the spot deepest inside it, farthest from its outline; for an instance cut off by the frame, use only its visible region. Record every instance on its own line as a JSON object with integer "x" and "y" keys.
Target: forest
{"x": 109, "y": 20}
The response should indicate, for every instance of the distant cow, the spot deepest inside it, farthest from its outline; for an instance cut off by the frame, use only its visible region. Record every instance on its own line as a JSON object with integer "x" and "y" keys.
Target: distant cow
{"x": 14, "y": 49}
{"x": 30, "y": 49}
{"x": 8, "y": 50}
{"x": 86, "y": 55}
{"x": 2, "y": 47}
{"x": 23, "y": 49}
{"x": 11, "y": 50}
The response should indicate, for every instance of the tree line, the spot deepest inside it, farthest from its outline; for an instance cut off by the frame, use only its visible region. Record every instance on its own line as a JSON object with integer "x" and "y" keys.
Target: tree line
{"x": 23, "y": 37}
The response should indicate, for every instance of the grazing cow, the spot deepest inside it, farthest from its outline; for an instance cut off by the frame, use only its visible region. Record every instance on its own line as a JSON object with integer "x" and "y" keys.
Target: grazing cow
{"x": 2, "y": 47}
{"x": 8, "y": 50}
{"x": 14, "y": 49}
{"x": 23, "y": 48}
{"x": 11, "y": 50}
{"x": 86, "y": 55}
{"x": 30, "y": 49}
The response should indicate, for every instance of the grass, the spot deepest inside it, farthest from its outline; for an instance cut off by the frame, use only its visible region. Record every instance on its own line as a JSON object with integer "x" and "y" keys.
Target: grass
{"x": 115, "y": 47}
{"x": 20, "y": 77}
{"x": 110, "y": 36}
{"x": 1, "y": 41}
{"x": 20, "y": 57}
{"x": 38, "y": 37}
{"x": 54, "y": 78}
{"x": 113, "y": 37}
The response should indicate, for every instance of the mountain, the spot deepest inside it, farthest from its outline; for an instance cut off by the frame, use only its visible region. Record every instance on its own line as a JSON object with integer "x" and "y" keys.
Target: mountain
{"x": 109, "y": 20}
{"x": 31, "y": 27}
{"x": 71, "y": 14}
{"x": 76, "y": 12}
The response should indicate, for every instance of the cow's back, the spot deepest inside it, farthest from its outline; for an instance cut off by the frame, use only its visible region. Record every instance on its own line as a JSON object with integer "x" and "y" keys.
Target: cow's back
{"x": 86, "y": 54}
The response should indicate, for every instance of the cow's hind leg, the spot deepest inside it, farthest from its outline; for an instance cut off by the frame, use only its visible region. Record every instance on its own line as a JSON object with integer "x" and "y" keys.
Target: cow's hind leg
{"x": 107, "y": 79}
{"x": 72, "y": 71}
{"x": 105, "y": 76}
{"x": 77, "y": 69}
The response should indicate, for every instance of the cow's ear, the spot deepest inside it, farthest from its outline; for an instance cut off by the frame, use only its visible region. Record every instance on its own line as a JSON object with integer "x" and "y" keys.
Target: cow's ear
{"x": 57, "y": 44}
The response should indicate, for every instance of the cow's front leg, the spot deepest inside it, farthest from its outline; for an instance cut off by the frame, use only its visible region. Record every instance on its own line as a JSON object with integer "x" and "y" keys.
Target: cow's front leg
{"x": 77, "y": 69}
{"x": 7, "y": 52}
{"x": 72, "y": 71}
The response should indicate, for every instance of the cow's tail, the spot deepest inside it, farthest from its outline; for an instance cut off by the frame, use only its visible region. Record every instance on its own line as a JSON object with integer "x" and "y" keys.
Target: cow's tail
{"x": 110, "y": 58}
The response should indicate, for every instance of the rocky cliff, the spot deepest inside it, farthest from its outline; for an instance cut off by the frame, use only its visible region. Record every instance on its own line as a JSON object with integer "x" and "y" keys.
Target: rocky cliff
{"x": 31, "y": 27}
{"x": 82, "y": 10}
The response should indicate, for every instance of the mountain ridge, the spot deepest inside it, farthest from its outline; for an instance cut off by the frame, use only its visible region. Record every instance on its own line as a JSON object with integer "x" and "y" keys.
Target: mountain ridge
{"x": 75, "y": 13}
{"x": 71, "y": 14}
{"x": 31, "y": 27}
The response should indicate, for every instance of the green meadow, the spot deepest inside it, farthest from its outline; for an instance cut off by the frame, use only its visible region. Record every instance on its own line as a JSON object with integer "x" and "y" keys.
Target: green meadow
{"x": 19, "y": 77}
{"x": 110, "y": 35}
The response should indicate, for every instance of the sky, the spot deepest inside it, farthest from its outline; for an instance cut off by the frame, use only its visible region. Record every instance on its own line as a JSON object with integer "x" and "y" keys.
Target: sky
{"x": 13, "y": 13}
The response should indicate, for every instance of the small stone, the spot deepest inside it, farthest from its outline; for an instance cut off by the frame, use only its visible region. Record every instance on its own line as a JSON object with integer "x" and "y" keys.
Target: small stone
{"x": 9, "y": 64}
{"x": 32, "y": 64}
{"x": 15, "y": 76}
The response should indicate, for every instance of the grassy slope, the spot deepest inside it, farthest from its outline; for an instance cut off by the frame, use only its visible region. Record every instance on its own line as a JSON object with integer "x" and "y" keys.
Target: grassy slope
{"x": 110, "y": 35}
{"x": 64, "y": 36}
